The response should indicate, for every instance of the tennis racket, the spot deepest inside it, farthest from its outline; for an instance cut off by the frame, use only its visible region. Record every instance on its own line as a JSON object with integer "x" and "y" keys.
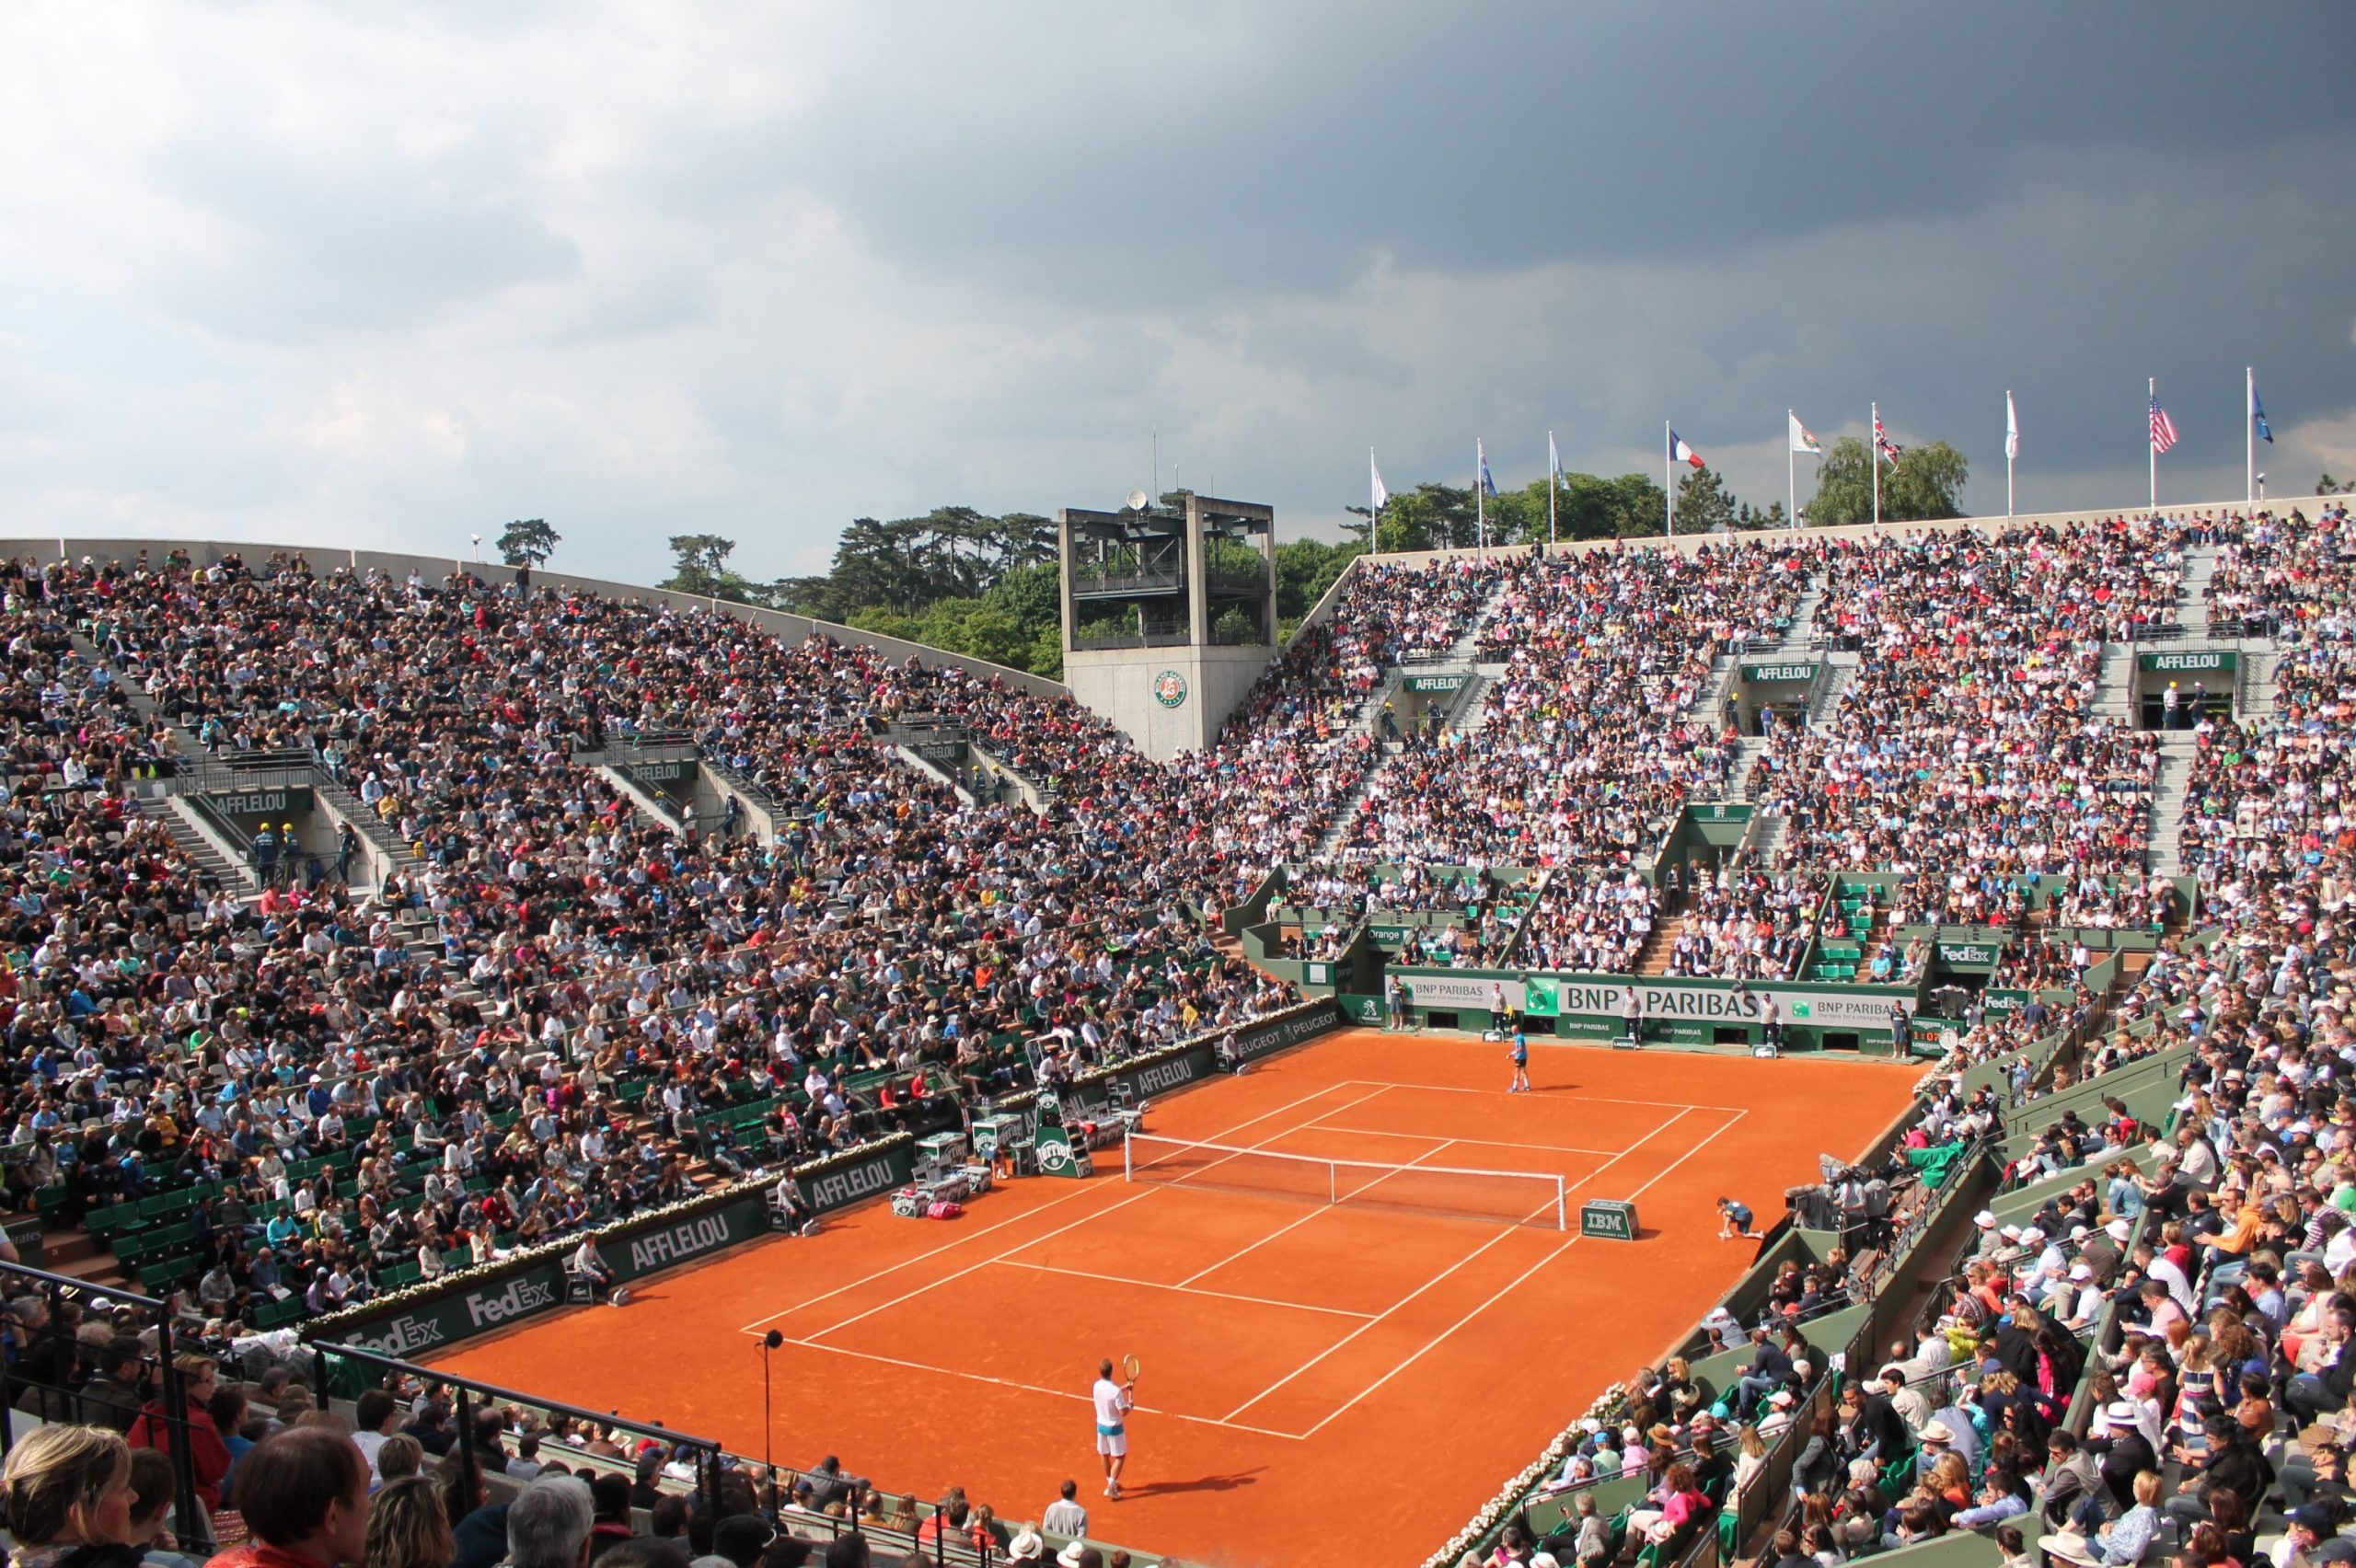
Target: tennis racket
{"x": 1130, "y": 1367}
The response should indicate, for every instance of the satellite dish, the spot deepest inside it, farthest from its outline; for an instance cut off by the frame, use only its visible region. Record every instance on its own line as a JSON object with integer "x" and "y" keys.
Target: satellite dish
{"x": 1136, "y": 500}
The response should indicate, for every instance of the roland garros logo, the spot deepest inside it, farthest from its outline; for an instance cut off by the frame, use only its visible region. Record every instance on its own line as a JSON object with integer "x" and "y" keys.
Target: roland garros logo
{"x": 1170, "y": 688}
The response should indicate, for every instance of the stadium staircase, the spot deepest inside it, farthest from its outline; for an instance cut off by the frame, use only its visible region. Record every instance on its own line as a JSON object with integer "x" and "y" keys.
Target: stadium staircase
{"x": 2192, "y": 596}
{"x": 1839, "y": 671}
{"x": 205, "y": 849}
{"x": 1653, "y": 958}
{"x": 1466, "y": 714}
{"x": 2167, "y": 827}
{"x": 1748, "y": 750}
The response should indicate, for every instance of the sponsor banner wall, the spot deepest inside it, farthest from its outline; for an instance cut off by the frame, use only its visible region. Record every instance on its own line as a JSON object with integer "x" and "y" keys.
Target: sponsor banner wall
{"x": 2198, "y": 661}
{"x": 660, "y": 1246}
{"x": 1291, "y": 1028}
{"x": 249, "y": 809}
{"x": 869, "y": 1177}
{"x": 1598, "y": 999}
{"x": 425, "y": 1326}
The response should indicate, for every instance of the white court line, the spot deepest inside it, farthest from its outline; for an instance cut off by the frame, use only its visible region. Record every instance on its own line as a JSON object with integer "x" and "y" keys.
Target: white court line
{"x": 976, "y": 1268}
{"x": 1436, "y": 1279}
{"x": 1079, "y": 1190}
{"x": 1568, "y": 1243}
{"x": 1028, "y": 1242}
{"x": 1271, "y": 1235}
{"x": 1574, "y": 1097}
{"x": 1161, "y": 1285}
{"x": 1035, "y": 1388}
{"x": 1490, "y": 1143}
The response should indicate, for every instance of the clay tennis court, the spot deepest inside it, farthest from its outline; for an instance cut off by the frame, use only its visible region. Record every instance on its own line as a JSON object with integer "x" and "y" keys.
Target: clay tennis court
{"x": 1321, "y": 1383}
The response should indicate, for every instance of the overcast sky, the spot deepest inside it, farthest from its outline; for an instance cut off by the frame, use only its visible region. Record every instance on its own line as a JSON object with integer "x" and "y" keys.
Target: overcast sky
{"x": 391, "y": 275}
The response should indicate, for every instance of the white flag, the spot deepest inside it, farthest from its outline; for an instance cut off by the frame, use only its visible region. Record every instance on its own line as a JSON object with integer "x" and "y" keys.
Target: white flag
{"x": 1380, "y": 495}
{"x": 2011, "y": 428}
{"x": 1553, "y": 458}
{"x": 1803, "y": 439}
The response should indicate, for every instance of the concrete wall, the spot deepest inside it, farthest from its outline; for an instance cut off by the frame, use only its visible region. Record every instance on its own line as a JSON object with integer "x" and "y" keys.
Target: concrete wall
{"x": 1128, "y": 686}
{"x": 2280, "y": 506}
{"x": 324, "y": 556}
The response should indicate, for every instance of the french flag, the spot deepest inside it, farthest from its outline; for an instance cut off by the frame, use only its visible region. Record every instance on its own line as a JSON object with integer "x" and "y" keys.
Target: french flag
{"x": 1682, "y": 453}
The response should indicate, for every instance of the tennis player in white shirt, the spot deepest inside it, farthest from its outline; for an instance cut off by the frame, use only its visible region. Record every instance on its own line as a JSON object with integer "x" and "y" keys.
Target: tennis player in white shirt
{"x": 1114, "y": 1402}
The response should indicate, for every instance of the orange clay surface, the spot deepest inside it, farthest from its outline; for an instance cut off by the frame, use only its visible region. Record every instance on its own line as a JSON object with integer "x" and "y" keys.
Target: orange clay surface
{"x": 1321, "y": 1385}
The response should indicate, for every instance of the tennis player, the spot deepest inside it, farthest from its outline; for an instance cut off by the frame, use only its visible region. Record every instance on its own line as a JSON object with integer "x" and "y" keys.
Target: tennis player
{"x": 1114, "y": 1404}
{"x": 1520, "y": 1060}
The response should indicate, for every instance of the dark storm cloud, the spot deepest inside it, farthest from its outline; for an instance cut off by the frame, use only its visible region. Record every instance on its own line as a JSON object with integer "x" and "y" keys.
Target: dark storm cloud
{"x": 1284, "y": 151}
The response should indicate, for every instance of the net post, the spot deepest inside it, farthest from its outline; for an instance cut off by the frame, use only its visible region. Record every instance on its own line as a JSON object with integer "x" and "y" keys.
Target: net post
{"x": 1561, "y": 1205}
{"x": 1332, "y": 1185}
{"x": 1128, "y": 1161}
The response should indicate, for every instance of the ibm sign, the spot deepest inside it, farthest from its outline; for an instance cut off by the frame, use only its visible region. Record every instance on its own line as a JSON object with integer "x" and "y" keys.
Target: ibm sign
{"x": 1611, "y": 1219}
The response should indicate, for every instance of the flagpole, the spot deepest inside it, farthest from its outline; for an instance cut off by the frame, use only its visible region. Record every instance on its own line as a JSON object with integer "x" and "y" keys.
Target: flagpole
{"x": 2010, "y": 419}
{"x": 1668, "y": 478}
{"x": 2151, "y": 446}
{"x": 2250, "y": 436}
{"x": 1374, "y": 507}
{"x": 1790, "y": 473}
{"x": 1873, "y": 443}
{"x": 1480, "y": 494}
{"x": 1554, "y": 484}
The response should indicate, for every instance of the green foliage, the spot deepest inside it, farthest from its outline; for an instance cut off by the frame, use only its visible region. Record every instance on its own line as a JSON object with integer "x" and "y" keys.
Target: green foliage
{"x": 951, "y": 552}
{"x": 528, "y": 541}
{"x": 1305, "y": 568}
{"x": 701, "y": 566}
{"x": 1704, "y": 503}
{"x": 2327, "y": 485}
{"x": 1925, "y": 483}
{"x": 1630, "y": 507}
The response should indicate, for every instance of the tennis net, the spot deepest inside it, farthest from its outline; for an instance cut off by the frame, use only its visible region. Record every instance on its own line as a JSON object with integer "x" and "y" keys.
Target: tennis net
{"x": 1514, "y": 1197}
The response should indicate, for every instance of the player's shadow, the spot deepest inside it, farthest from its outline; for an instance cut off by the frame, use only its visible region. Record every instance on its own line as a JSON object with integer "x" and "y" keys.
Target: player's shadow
{"x": 1204, "y": 1483}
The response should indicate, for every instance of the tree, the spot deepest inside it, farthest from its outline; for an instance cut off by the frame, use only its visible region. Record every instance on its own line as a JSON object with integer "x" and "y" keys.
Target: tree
{"x": 702, "y": 564}
{"x": 1429, "y": 518}
{"x": 1925, "y": 483}
{"x": 1747, "y": 516}
{"x": 2327, "y": 485}
{"x": 527, "y": 541}
{"x": 1704, "y": 504}
{"x": 1305, "y": 568}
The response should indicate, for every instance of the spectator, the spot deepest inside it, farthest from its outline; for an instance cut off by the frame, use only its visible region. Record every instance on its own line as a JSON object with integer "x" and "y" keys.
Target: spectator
{"x": 548, "y": 1525}
{"x": 304, "y": 1494}
{"x": 408, "y": 1526}
{"x": 154, "y": 1428}
{"x": 69, "y": 1497}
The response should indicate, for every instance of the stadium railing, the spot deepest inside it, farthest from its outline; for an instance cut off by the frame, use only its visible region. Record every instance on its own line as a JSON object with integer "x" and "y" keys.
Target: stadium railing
{"x": 343, "y": 1370}
{"x": 26, "y": 1380}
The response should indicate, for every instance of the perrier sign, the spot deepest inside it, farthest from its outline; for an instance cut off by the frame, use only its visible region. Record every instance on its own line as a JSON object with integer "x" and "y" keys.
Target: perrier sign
{"x": 1612, "y": 1219}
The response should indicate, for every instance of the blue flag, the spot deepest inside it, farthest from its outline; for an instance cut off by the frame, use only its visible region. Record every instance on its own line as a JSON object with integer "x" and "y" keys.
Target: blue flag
{"x": 1489, "y": 485}
{"x": 2257, "y": 412}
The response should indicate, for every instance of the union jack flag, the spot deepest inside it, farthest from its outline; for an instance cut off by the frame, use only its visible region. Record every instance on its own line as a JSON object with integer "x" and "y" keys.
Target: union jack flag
{"x": 2163, "y": 427}
{"x": 1889, "y": 449}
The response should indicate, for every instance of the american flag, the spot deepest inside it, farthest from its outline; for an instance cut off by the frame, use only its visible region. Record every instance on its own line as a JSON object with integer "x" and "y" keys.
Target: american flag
{"x": 2163, "y": 427}
{"x": 1889, "y": 449}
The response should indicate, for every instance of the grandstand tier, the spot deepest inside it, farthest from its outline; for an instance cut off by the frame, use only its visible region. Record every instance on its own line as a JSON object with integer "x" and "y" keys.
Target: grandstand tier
{"x": 379, "y": 928}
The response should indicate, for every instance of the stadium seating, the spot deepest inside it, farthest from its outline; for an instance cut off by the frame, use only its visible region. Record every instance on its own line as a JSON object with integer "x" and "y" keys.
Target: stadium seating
{"x": 542, "y": 1002}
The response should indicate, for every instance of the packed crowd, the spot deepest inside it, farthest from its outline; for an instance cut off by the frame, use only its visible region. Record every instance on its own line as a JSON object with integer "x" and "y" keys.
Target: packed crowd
{"x": 1969, "y": 745}
{"x": 470, "y": 1075}
{"x": 1748, "y": 926}
{"x": 391, "y": 1482}
{"x": 1583, "y": 752}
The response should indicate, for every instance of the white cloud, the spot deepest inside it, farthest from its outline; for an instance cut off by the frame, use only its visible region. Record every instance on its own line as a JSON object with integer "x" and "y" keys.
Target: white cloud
{"x": 274, "y": 272}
